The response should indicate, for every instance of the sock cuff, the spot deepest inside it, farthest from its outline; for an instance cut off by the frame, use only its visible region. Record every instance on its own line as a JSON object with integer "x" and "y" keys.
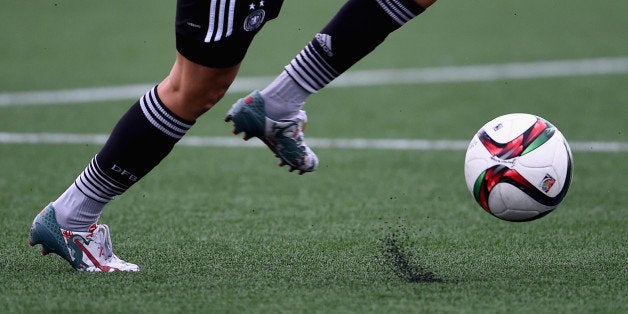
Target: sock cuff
{"x": 97, "y": 185}
{"x": 310, "y": 69}
{"x": 161, "y": 117}
{"x": 401, "y": 11}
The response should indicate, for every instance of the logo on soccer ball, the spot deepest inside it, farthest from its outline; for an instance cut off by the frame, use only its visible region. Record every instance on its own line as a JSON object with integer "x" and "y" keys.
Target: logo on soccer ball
{"x": 254, "y": 20}
{"x": 547, "y": 183}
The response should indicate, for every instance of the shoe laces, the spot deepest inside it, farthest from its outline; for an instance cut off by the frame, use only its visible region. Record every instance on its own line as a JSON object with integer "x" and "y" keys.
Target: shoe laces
{"x": 292, "y": 128}
{"x": 101, "y": 236}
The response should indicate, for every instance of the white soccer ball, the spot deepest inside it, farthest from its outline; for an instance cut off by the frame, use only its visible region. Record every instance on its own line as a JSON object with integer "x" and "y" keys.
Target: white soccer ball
{"x": 518, "y": 167}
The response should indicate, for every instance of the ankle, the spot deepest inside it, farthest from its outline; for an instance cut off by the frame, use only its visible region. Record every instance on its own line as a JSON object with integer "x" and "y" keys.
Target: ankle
{"x": 284, "y": 98}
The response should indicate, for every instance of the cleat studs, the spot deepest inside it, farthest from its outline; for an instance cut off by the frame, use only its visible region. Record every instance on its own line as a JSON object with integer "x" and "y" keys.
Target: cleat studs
{"x": 45, "y": 250}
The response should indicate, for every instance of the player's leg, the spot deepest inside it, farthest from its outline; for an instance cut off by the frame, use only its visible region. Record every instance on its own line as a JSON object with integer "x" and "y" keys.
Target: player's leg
{"x": 203, "y": 70}
{"x": 356, "y": 30}
{"x": 192, "y": 89}
{"x": 139, "y": 141}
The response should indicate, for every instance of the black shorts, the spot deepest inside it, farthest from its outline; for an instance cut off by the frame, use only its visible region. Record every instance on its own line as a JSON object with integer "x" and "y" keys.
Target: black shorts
{"x": 217, "y": 33}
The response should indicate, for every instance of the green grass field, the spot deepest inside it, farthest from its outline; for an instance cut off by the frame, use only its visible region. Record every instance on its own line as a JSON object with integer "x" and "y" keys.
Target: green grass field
{"x": 373, "y": 230}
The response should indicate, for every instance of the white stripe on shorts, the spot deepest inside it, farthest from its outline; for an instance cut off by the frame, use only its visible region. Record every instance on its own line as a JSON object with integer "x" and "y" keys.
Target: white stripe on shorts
{"x": 217, "y": 29}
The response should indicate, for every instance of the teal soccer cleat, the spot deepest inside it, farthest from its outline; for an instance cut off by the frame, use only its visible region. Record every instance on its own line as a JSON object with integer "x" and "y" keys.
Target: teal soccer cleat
{"x": 284, "y": 137}
{"x": 86, "y": 251}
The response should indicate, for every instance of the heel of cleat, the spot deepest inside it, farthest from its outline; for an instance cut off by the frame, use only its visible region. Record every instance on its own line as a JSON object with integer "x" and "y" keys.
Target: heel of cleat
{"x": 45, "y": 231}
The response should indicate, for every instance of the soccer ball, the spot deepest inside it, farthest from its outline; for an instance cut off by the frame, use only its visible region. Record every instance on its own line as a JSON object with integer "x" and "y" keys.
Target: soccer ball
{"x": 518, "y": 167}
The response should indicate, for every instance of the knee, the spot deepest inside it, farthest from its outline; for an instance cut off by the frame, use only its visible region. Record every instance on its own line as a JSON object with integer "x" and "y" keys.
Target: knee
{"x": 202, "y": 98}
{"x": 208, "y": 96}
{"x": 191, "y": 101}
{"x": 192, "y": 91}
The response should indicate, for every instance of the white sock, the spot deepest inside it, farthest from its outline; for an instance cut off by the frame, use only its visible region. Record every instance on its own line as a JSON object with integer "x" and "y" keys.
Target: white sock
{"x": 284, "y": 98}
{"x": 75, "y": 211}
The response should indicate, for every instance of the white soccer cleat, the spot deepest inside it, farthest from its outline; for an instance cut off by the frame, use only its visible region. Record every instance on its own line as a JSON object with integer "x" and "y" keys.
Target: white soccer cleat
{"x": 86, "y": 251}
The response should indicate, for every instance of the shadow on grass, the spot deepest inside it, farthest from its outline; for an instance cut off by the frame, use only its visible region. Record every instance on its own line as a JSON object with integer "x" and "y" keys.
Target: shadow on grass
{"x": 396, "y": 253}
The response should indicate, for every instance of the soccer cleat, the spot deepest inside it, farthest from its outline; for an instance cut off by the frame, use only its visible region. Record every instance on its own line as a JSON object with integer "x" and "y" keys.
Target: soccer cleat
{"x": 284, "y": 137}
{"x": 86, "y": 251}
